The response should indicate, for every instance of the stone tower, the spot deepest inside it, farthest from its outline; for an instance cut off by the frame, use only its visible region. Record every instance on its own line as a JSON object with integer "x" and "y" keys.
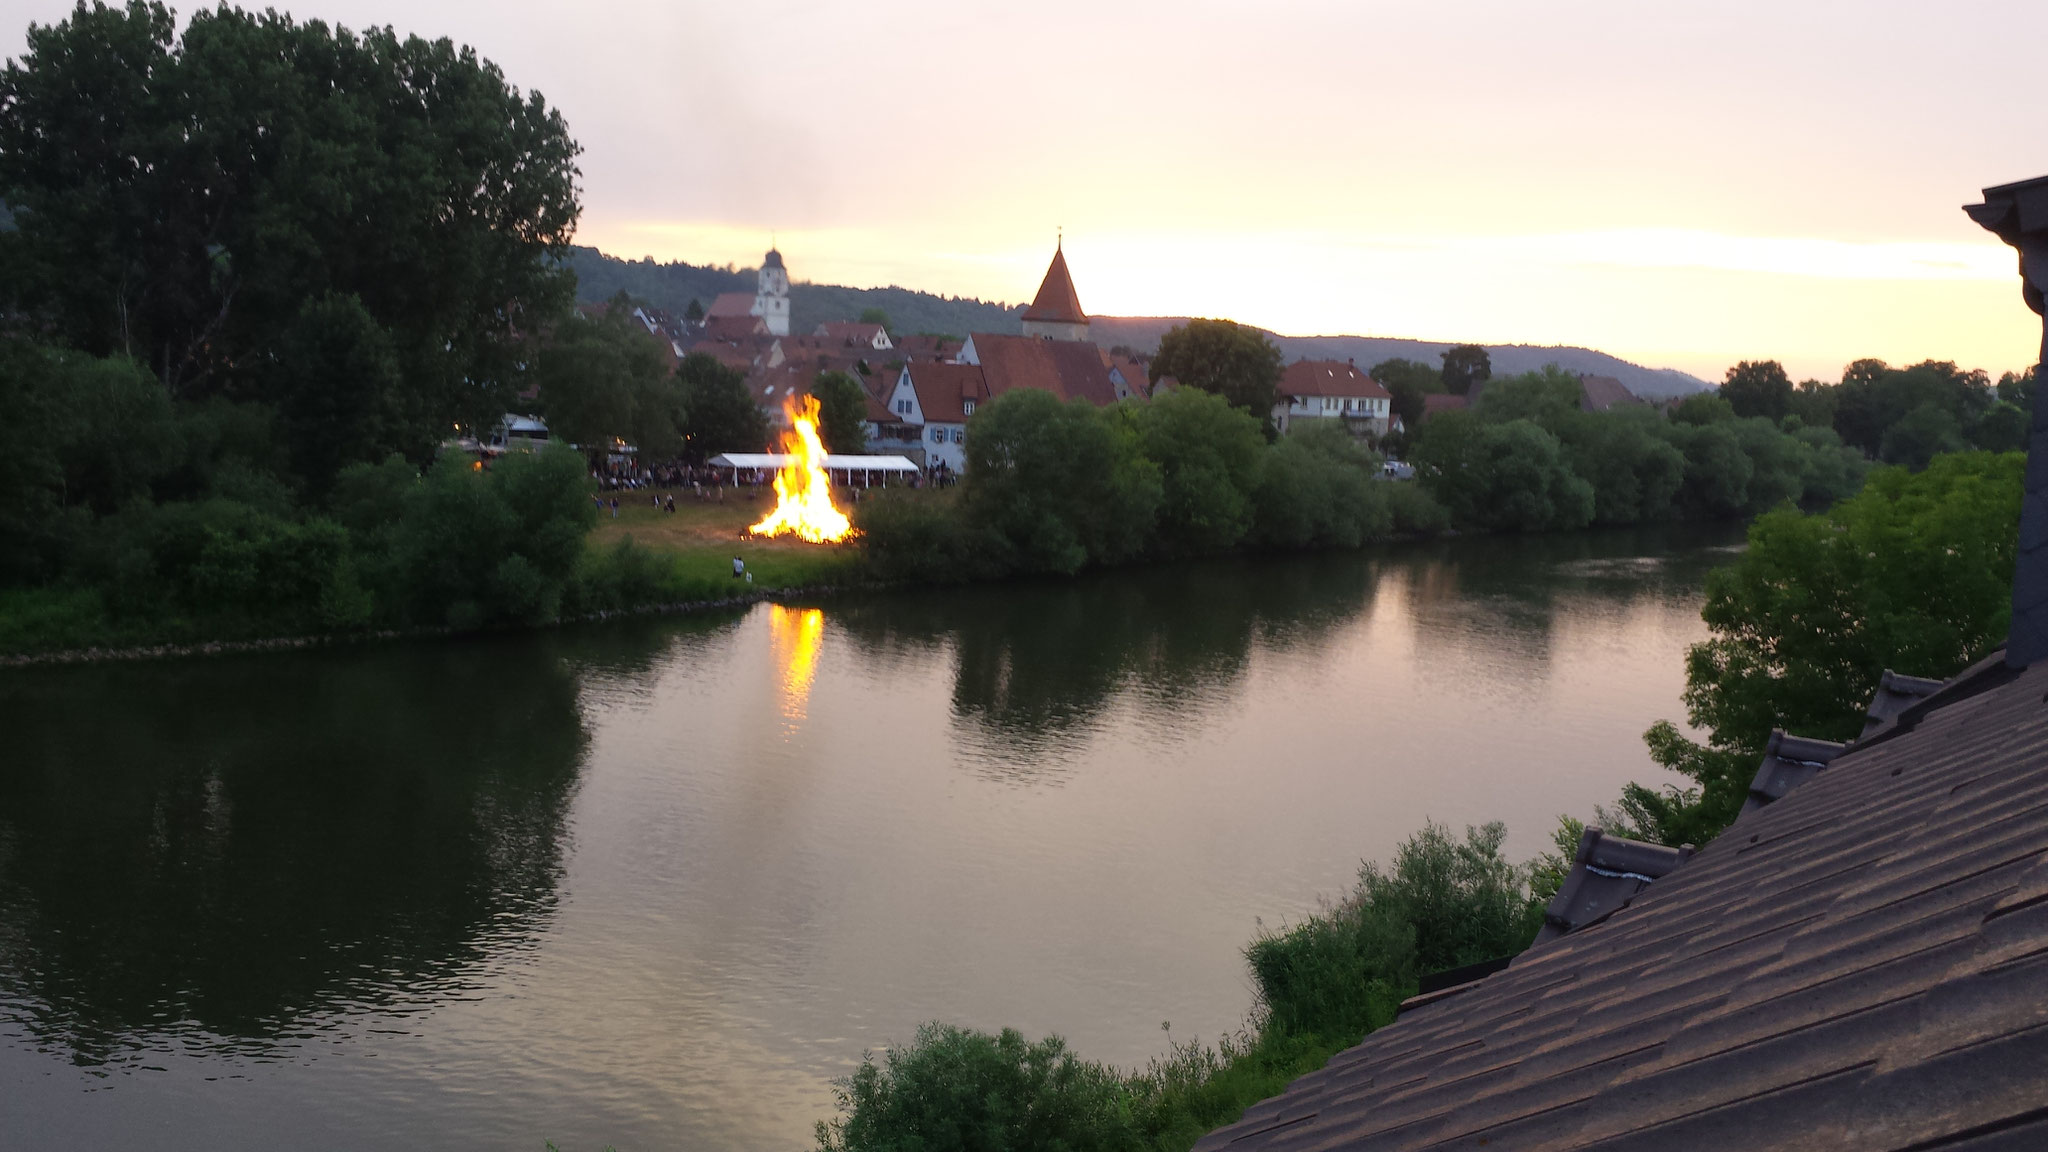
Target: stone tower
{"x": 1056, "y": 312}
{"x": 771, "y": 299}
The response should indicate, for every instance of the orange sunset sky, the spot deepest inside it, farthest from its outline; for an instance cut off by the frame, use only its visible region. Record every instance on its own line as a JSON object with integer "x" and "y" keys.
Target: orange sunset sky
{"x": 1684, "y": 185}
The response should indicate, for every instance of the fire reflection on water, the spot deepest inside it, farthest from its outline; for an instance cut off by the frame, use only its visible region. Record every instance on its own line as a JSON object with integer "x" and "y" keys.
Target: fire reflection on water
{"x": 795, "y": 634}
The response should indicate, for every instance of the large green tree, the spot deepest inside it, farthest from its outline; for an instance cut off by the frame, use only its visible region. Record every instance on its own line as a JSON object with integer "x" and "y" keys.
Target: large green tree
{"x": 1232, "y": 360}
{"x": 181, "y": 199}
{"x": 842, "y": 412}
{"x": 1408, "y": 381}
{"x": 1509, "y": 477}
{"x": 1465, "y": 366}
{"x": 1208, "y": 455}
{"x": 1913, "y": 574}
{"x": 1062, "y": 485}
{"x": 602, "y": 376}
{"x": 722, "y": 414}
{"x": 1758, "y": 388}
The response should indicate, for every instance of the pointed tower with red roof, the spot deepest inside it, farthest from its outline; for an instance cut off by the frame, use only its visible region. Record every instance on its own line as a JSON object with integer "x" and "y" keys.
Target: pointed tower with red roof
{"x": 1055, "y": 313}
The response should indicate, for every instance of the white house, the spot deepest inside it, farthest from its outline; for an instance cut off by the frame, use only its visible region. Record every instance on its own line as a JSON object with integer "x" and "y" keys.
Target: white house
{"x": 929, "y": 405}
{"x": 1332, "y": 390}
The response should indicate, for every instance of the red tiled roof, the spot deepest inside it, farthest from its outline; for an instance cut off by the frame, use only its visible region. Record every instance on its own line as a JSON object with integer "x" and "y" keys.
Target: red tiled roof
{"x": 1056, "y": 301}
{"x": 878, "y": 405}
{"x": 730, "y": 355}
{"x": 1134, "y": 374}
{"x": 1599, "y": 393}
{"x": 1437, "y": 402}
{"x": 1329, "y": 378}
{"x": 730, "y": 328}
{"x": 943, "y": 390}
{"x": 927, "y": 348}
{"x": 731, "y": 304}
{"x": 1069, "y": 369}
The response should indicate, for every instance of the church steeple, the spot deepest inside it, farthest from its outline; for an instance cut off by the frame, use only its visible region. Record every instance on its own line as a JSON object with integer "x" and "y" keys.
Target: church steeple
{"x": 1055, "y": 313}
{"x": 771, "y": 299}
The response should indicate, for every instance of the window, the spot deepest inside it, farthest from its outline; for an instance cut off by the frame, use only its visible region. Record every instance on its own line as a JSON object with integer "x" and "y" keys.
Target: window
{"x": 1331, "y": 403}
{"x": 967, "y": 407}
{"x": 959, "y": 436}
{"x": 938, "y": 435}
{"x": 903, "y": 407}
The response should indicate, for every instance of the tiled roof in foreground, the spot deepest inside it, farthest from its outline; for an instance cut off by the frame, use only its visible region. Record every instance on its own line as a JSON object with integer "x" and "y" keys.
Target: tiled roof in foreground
{"x": 1860, "y": 963}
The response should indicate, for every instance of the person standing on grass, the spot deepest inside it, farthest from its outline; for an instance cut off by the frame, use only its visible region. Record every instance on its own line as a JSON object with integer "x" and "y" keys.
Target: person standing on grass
{"x": 739, "y": 567}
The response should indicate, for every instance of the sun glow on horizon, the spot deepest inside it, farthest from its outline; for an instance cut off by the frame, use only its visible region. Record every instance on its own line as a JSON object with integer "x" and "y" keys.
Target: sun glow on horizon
{"x": 1693, "y": 299}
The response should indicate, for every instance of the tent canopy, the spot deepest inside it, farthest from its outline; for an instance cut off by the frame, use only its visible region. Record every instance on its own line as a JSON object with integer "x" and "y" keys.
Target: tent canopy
{"x": 776, "y": 460}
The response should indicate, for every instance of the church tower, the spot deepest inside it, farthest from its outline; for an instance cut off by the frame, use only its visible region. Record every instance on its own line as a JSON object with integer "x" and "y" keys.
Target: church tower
{"x": 771, "y": 299}
{"x": 1056, "y": 312}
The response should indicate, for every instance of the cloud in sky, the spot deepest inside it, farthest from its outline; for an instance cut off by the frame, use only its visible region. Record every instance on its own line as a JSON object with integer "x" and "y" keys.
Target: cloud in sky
{"x": 1682, "y": 184}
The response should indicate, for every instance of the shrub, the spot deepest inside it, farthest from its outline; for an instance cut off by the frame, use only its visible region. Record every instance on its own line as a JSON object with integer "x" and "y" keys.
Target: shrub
{"x": 1501, "y": 477}
{"x": 955, "y": 1090}
{"x": 1443, "y": 904}
{"x": 924, "y": 537}
{"x": 1316, "y": 489}
{"x": 1062, "y": 484}
{"x": 1208, "y": 455}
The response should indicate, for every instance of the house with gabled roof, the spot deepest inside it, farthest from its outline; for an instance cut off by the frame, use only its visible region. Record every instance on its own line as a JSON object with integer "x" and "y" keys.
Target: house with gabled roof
{"x": 1859, "y": 961}
{"x": 1332, "y": 390}
{"x": 852, "y": 334}
{"x": 933, "y": 402}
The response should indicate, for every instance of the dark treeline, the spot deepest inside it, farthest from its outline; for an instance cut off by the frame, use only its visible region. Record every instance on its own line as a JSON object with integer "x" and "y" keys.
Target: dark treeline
{"x": 1525, "y": 457}
{"x": 252, "y": 279}
{"x": 1056, "y": 487}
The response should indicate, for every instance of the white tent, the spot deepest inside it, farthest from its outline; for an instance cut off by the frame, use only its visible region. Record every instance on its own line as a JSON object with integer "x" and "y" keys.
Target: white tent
{"x": 868, "y": 466}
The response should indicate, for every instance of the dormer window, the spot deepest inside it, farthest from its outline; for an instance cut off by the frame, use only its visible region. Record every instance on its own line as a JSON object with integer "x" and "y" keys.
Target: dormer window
{"x": 967, "y": 407}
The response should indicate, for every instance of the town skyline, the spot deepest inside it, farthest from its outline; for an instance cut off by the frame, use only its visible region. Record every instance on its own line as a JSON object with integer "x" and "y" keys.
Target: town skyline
{"x": 1777, "y": 189}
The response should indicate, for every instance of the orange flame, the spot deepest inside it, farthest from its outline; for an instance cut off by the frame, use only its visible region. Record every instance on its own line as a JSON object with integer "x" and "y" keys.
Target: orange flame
{"x": 795, "y": 633}
{"x": 803, "y": 493}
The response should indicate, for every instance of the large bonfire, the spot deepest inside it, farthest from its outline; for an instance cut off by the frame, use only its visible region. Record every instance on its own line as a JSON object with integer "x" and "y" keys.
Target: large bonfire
{"x": 803, "y": 492}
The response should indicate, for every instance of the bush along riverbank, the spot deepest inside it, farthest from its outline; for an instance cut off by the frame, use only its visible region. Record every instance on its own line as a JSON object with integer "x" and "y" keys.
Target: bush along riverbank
{"x": 1913, "y": 573}
{"x": 1322, "y": 984}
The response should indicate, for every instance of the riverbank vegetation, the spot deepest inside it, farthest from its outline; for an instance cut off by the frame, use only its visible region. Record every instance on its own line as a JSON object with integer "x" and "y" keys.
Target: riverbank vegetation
{"x": 1322, "y": 985}
{"x": 1912, "y": 574}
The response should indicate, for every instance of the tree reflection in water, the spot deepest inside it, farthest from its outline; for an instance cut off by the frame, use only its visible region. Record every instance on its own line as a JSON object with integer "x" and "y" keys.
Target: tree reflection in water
{"x": 1037, "y": 664}
{"x": 226, "y": 848}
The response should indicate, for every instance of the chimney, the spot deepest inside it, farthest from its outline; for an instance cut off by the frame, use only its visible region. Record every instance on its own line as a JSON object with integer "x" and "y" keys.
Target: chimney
{"x": 2018, "y": 214}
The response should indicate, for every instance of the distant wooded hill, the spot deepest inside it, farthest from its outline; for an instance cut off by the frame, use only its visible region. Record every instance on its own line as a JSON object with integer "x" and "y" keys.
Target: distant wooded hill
{"x": 672, "y": 287}
{"x": 1143, "y": 333}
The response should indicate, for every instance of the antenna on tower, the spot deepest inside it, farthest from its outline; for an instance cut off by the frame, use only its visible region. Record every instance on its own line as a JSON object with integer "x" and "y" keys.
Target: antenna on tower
{"x": 1059, "y": 237}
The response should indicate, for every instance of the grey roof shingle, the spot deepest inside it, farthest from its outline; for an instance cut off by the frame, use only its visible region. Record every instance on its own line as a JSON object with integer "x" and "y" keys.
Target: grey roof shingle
{"x": 1861, "y": 963}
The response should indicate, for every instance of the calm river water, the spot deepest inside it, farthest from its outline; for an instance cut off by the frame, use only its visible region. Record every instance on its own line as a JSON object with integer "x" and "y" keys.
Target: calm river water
{"x": 657, "y": 883}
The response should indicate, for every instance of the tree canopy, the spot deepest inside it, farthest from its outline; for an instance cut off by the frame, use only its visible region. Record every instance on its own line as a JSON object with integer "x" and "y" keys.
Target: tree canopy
{"x": 842, "y": 412}
{"x": 1758, "y": 388}
{"x": 601, "y": 377}
{"x": 722, "y": 414}
{"x": 1232, "y": 360}
{"x": 1408, "y": 381}
{"x": 190, "y": 200}
{"x": 1465, "y": 366}
{"x": 1914, "y": 573}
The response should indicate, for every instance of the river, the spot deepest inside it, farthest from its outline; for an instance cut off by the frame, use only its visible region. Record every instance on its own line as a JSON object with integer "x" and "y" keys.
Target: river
{"x": 656, "y": 883}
